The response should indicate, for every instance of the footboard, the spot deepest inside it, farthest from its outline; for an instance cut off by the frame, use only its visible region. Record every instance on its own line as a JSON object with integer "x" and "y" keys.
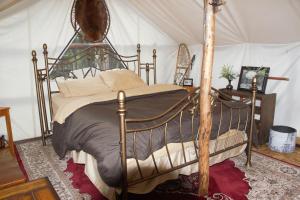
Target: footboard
{"x": 188, "y": 104}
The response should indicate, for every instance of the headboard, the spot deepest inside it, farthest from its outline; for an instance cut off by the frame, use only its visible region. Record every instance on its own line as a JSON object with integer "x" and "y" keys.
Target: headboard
{"x": 83, "y": 60}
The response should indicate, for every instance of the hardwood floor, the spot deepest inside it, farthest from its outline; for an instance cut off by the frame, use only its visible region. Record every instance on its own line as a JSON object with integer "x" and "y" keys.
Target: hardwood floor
{"x": 39, "y": 189}
{"x": 10, "y": 173}
{"x": 292, "y": 158}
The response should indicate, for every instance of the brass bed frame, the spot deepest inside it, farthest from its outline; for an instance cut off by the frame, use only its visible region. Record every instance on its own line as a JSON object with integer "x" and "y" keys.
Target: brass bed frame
{"x": 43, "y": 78}
{"x": 190, "y": 103}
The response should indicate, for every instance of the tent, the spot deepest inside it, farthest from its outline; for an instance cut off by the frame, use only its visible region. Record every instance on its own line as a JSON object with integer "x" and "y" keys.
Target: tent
{"x": 248, "y": 33}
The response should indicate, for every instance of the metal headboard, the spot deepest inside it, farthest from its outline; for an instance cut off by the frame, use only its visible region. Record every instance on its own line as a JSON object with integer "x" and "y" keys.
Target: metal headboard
{"x": 90, "y": 59}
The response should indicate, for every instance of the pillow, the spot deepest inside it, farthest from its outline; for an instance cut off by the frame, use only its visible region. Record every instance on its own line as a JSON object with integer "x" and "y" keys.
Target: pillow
{"x": 121, "y": 79}
{"x": 82, "y": 87}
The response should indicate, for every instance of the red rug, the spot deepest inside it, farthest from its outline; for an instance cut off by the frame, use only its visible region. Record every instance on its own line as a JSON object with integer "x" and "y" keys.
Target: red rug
{"x": 225, "y": 181}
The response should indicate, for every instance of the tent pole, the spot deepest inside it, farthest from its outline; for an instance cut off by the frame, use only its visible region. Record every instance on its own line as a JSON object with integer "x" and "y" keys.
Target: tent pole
{"x": 210, "y": 6}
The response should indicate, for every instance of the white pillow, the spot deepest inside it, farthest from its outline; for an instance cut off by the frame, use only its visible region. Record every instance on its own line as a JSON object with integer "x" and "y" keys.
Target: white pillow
{"x": 121, "y": 79}
{"x": 82, "y": 87}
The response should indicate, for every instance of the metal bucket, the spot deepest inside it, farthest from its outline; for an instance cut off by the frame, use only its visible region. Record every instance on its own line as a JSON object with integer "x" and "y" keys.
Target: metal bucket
{"x": 282, "y": 139}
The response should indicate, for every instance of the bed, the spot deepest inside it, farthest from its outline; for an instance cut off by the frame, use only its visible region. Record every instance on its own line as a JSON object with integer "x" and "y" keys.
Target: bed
{"x": 133, "y": 136}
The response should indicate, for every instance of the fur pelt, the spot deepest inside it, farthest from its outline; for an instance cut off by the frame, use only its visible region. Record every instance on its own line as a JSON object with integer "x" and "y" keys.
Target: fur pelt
{"x": 92, "y": 18}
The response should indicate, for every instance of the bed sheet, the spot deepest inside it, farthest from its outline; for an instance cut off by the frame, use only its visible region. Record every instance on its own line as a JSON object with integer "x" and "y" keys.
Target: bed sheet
{"x": 228, "y": 139}
{"x": 65, "y": 106}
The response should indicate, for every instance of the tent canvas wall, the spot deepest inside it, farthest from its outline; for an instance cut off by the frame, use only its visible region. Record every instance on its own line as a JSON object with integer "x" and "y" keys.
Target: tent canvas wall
{"x": 252, "y": 33}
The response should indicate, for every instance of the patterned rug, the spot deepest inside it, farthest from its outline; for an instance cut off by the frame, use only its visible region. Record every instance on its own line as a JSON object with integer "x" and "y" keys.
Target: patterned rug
{"x": 269, "y": 178}
{"x": 231, "y": 185}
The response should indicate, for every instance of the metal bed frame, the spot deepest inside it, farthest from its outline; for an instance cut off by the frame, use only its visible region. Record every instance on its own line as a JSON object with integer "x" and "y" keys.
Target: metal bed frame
{"x": 42, "y": 76}
{"x": 190, "y": 104}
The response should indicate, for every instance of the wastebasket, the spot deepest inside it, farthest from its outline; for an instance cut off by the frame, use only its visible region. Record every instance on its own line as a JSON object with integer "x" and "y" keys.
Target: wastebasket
{"x": 282, "y": 139}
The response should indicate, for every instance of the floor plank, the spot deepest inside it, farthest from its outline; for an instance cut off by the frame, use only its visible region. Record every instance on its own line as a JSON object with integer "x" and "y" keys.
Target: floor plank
{"x": 291, "y": 158}
{"x": 10, "y": 173}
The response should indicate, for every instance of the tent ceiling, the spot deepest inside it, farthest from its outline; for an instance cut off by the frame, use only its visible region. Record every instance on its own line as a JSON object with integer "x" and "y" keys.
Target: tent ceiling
{"x": 4, "y": 4}
{"x": 240, "y": 21}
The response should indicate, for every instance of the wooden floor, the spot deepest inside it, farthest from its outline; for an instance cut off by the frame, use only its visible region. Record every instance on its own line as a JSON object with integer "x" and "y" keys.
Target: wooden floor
{"x": 10, "y": 173}
{"x": 292, "y": 158}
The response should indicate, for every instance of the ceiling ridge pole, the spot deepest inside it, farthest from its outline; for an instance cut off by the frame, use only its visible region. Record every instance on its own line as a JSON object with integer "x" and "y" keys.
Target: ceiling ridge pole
{"x": 210, "y": 8}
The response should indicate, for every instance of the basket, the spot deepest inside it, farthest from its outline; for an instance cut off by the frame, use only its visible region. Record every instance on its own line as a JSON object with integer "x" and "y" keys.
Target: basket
{"x": 282, "y": 139}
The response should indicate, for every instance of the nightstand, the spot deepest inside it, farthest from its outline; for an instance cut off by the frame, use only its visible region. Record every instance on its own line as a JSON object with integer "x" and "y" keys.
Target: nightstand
{"x": 264, "y": 111}
{"x": 4, "y": 112}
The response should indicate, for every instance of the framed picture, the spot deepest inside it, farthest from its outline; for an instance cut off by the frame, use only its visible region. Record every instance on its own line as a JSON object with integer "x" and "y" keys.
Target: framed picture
{"x": 188, "y": 82}
{"x": 247, "y": 74}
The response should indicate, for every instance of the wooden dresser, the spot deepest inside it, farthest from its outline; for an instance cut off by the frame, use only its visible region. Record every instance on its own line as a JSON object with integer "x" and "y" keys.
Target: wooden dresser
{"x": 264, "y": 111}
{"x": 40, "y": 189}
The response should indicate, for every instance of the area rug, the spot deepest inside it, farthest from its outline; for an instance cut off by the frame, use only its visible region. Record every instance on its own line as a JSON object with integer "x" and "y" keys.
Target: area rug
{"x": 269, "y": 179}
{"x": 222, "y": 185}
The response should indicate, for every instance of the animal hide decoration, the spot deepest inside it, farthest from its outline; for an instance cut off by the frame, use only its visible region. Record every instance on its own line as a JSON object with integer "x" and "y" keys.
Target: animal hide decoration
{"x": 92, "y": 17}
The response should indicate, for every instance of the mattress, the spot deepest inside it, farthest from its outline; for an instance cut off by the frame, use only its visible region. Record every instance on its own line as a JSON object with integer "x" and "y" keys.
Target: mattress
{"x": 228, "y": 139}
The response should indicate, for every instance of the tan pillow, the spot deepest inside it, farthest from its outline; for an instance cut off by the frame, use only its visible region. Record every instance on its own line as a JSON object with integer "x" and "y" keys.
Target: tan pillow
{"x": 82, "y": 87}
{"x": 121, "y": 79}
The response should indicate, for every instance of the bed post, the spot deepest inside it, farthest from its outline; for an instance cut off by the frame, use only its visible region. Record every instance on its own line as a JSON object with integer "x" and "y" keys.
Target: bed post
{"x": 154, "y": 65}
{"x": 45, "y": 52}
{"x": 122, "y": 113}
{"x": 139, "y": 59}
{"x": 249, "y": 148}
{"x": 210, "y": 7}
{"x": 38, "y": 94}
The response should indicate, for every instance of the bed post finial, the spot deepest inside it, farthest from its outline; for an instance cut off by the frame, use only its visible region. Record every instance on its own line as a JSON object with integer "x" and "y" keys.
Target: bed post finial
{"x": 45, "y": 47}
{"x": 249, "y": 148}
{"x": 121, "y": 99}
{"x": 45, "y": 52}
{"x": 138, "y": 47}
{"x": 122, "y": 113}
{"x": 33, "y": 53}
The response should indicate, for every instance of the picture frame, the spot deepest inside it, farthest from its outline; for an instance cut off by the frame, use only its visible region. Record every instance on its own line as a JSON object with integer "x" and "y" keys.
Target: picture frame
{"x": 188, "y": 82}
{"x": 246, "y": 75}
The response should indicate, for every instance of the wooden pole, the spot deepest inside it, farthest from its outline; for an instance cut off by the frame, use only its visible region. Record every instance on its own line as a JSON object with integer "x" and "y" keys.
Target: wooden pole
{"x": 205, "y": 88}
{"x": 278, "y": 78}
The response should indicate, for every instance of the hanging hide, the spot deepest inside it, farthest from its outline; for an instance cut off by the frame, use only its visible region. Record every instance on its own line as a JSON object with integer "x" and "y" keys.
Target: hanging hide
{"x": 93, "y": 19}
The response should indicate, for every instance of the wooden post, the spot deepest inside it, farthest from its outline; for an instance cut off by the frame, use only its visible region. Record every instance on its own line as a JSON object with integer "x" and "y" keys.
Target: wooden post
{"x": 205, "y": 88}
